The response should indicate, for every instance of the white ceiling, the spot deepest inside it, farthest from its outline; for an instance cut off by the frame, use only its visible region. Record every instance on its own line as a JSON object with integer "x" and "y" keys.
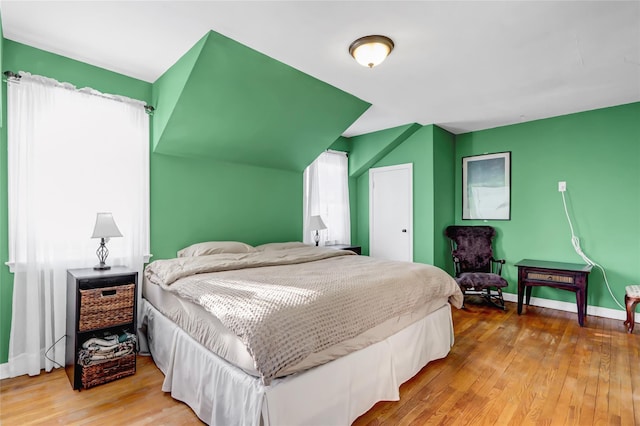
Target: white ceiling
{"x": 464, "y": 65}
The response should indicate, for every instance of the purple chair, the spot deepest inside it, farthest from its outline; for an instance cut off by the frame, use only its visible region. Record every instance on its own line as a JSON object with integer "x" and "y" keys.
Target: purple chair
{"x": 476, "y": 271}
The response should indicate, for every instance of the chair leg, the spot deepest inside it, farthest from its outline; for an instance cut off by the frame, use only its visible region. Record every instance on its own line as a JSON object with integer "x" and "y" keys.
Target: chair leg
{"x": 631, "y": 308}
{"x": 495, "y": 300}
{"x": 463, "y": 296}
{"x": 501, "y": 300}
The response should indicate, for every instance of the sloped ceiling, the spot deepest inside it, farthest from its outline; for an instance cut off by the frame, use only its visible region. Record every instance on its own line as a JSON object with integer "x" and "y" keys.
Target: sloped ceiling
{"x": 369, "y": 148}
{"x": 225, "y": 101}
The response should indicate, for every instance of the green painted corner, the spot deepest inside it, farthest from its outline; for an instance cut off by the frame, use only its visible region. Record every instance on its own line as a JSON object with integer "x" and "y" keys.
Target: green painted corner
{"x": 341, "y": 144}
{"x": 431, "y": 151}
{"x": 241, "y": 106}
{"x": 444, "y": 157}
{"x": 369, "y": 148}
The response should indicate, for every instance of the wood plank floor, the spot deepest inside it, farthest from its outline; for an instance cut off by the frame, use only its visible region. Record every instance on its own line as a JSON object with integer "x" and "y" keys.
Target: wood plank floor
{"x": 539, "y": 368}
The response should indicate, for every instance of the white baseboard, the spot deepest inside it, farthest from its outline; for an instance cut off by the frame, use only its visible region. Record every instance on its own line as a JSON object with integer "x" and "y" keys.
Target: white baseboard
{"x": 4, "y": 371}
{"x": 571, "y": 307}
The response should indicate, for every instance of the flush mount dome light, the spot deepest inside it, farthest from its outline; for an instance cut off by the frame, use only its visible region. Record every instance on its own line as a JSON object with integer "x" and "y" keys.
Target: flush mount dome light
{"x": 371, "y": 50}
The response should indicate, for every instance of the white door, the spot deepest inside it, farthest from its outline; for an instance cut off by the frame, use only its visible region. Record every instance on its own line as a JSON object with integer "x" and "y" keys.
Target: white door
{"x": 391, "y": 212}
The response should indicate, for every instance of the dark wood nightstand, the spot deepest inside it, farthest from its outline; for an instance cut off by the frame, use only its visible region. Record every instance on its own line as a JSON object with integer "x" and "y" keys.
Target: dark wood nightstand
{"x": 355, "y": 249}
{"x": 99, "y": 303}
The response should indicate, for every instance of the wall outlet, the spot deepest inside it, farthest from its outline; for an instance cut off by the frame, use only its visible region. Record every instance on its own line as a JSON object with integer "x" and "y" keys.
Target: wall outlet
{"x": 562, "y": 186}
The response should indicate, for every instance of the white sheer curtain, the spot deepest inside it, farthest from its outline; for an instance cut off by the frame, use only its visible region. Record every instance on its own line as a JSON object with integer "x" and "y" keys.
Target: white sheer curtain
{"x": 326, "y": 193}
{"x": 71, "y": 153}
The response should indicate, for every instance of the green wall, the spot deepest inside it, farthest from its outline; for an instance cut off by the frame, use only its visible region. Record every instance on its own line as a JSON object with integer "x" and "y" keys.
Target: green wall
{"x": 598, "y": 154}
{"x": 431, "y": 151}
{"x": 194, "y": 200}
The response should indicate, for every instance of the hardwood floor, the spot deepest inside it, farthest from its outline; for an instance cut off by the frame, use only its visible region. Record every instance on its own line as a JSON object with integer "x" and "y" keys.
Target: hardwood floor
{"x": 539, "y": 368}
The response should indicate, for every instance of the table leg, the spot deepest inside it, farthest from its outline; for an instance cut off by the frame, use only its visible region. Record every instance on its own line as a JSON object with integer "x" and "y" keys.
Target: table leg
{"x": 580, "y": 301}
{"x": 585, "y": 303}
{"x": 520, "y": 297}
{"x": 631, "y": 308}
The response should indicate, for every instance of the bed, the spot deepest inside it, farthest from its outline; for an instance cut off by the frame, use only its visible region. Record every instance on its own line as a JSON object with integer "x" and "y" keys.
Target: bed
{"x": 286, "y": 334}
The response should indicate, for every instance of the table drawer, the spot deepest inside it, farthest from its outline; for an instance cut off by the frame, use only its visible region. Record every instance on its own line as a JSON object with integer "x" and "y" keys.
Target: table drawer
{"x": 549, "y": 277}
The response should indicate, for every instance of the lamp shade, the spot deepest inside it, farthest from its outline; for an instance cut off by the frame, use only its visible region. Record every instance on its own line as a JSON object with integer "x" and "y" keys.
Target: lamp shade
{"x": 316, "y": 223}
{"x": 371, "y": 50}
{"x": 105, "y": 226}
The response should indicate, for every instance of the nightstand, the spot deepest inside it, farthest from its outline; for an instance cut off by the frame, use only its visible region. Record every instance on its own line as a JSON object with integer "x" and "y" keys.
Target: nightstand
{"x": 99, "y": 303}
{"x": 355, "y": 249}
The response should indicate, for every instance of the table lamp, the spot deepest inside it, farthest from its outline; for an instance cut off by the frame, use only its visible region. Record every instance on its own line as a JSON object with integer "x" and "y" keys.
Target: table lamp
{"x": 104, "y": 229}
{"x": 316, "y": 224}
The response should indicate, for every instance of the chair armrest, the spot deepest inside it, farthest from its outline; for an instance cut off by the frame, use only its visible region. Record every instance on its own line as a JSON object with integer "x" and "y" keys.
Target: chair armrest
{"x": 497, "y": 265}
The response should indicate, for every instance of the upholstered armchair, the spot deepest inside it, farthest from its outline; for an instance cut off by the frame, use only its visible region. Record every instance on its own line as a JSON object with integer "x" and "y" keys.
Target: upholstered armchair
{"x": 476, "y": 270}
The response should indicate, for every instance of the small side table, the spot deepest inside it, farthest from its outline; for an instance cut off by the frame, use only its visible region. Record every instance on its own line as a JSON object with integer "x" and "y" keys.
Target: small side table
{"x": 565, "y": 276}
{"x": 355, "y": 249}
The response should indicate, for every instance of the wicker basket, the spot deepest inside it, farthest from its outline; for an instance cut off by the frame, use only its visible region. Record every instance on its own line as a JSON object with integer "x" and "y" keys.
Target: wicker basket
{"x": 97, "y": 374}
{"x": 106, "y": 307}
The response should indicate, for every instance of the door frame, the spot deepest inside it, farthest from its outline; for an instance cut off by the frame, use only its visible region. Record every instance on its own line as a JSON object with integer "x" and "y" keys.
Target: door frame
{"x": 372, "y": 171}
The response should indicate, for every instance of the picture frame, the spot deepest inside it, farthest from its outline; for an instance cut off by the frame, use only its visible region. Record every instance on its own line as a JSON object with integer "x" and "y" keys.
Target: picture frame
{"x": 486, "y": 187}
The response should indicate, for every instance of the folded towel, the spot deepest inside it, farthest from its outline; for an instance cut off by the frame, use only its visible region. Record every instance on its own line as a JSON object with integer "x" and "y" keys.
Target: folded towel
{"x": 97, "y": 350}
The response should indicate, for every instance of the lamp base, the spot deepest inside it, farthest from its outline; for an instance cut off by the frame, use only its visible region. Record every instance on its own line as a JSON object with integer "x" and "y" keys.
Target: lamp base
{"x": 102, "y": 267}
{"x": 102, "y": 253}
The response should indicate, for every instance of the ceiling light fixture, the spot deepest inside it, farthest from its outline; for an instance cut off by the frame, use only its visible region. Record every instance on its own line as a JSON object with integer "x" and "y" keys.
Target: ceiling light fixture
{"x": 371, "y": 50}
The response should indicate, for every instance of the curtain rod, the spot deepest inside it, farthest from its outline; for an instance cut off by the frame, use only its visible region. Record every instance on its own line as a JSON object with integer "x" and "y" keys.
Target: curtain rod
{"x": 11, "y": 74}
{"x": 149, "y": 109}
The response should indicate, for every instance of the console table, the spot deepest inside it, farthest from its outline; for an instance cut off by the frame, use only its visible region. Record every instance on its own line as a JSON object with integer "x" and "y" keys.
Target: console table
{"x": 565, "y": 276}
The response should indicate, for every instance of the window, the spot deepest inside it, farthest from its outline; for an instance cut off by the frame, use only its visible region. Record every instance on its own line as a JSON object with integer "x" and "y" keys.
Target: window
{"x": 71, "y": 153}
{"x": 326, "y": 193}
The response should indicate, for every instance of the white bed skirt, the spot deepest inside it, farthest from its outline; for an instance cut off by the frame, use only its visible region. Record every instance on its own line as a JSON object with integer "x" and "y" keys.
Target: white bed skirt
{"x": 331, "y": 394}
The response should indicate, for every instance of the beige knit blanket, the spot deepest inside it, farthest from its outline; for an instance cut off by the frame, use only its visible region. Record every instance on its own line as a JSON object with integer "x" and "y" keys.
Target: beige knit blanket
{"x": 287, "y": 304}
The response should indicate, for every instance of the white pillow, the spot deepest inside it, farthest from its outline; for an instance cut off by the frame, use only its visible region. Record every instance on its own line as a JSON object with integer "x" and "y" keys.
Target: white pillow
{"x": 281, "y": 246}
{"x": 215, "y": 247}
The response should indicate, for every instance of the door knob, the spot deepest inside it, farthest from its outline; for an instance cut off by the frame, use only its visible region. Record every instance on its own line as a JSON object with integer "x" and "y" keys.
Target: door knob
{"x": 404, "y": 230}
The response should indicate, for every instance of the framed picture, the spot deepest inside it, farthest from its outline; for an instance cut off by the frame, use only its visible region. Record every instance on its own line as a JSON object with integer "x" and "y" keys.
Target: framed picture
{"x": 486, "y": 186}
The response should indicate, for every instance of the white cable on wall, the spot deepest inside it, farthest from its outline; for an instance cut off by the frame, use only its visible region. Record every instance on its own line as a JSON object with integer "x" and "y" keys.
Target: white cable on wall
{"x": 575, "y": 242}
